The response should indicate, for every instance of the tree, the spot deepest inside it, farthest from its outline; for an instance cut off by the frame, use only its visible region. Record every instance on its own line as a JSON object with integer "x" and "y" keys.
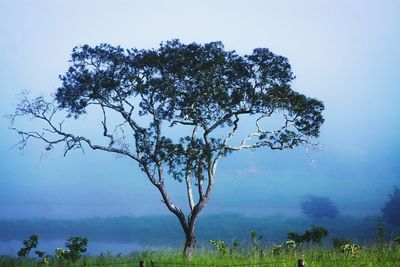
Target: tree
{"x": 319, "y": 207}
{"x": 201, "y": 92}
{"x": 391, "y": 210}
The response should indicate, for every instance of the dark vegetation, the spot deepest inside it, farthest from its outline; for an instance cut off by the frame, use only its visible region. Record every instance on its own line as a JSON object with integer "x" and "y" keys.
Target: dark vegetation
{"x": 29, "y": 244}
{"x": 313, "y": 235}
{"x": 317, "y": 207}
{"x": 391, "y": 210}
{"x": 75, "y": 245}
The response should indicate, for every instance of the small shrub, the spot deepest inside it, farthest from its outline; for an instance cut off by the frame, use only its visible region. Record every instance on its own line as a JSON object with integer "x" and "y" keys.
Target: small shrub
{"x": 315, "y": 234}
{"x": 29, "y": 244}
{"x": 61, "y": 254}
{"x": 76, "y": 246}
{"x": 222, "y": 248}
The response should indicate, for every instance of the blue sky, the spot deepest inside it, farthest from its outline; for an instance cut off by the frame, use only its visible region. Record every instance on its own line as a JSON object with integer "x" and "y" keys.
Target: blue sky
{"x": 344, "y": 53}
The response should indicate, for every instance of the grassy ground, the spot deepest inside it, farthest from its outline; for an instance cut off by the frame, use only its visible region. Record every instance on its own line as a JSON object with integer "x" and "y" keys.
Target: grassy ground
{"x": 314, "y": 256}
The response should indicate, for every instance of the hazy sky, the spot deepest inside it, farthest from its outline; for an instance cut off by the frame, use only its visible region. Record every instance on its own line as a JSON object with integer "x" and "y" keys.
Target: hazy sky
{"x": 344, "y": 53}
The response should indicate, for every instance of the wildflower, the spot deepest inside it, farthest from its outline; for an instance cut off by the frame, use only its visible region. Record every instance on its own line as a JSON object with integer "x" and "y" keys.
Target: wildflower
{"x": 351, "y": 250}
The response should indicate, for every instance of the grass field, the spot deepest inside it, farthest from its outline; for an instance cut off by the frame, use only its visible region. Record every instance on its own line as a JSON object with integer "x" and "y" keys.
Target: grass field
{"x": 378, "y": 246}
{"x": 373, "y": 256}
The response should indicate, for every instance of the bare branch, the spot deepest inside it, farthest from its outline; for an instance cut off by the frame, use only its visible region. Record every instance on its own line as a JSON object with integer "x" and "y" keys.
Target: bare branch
{"x": 269, "y": 138}
{"x": 45, "y": 111}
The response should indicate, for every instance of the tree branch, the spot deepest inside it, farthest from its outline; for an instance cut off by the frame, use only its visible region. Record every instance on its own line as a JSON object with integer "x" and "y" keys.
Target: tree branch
{"x": 188, "y": 168}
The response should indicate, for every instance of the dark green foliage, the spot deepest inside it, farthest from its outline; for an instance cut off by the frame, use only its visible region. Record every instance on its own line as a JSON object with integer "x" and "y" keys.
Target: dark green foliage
{"x": 221, "y": 247}
{"x": 314, "y": 235}
{"x": 190, "y": 84}
{"x": 39, "y": 253}
{"x": 76, "y": 245}
{"x": 23, "y": 252}
{"x": 391, "y": 210}
{"x": 29, "y": 244}
{"x": 298, "y": 238}
{"x": 319, "y": 207}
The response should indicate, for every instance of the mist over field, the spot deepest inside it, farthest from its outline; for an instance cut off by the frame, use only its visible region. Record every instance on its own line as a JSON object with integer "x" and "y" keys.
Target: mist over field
{"x": 129, "y": 234}
{"x": 344, "y": 53}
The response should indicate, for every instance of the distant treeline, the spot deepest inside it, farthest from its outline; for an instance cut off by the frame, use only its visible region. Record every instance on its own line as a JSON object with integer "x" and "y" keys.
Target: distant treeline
{"x": 165, "y": 230}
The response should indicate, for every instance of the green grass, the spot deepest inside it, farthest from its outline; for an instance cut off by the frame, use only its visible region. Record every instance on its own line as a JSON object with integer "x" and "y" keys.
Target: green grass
{"x": 314, "y": 256}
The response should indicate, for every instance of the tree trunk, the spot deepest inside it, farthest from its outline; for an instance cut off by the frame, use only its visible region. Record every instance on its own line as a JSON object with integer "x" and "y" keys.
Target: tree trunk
{"x": 190, "y": 244}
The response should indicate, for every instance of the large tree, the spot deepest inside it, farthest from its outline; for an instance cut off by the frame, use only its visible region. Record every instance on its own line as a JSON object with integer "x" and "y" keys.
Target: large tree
{"x": 179, "y": 108}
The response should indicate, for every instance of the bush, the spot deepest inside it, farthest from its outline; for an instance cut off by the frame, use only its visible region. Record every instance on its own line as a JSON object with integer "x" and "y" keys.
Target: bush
{"x": 314, "y": 235}
{"x": 29, "y": 244}
{"x": 391, "y": 210}
{"x": 318, "y": 207}
{"x": 76, "y": 246}
{"x": 222, "y": 248}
